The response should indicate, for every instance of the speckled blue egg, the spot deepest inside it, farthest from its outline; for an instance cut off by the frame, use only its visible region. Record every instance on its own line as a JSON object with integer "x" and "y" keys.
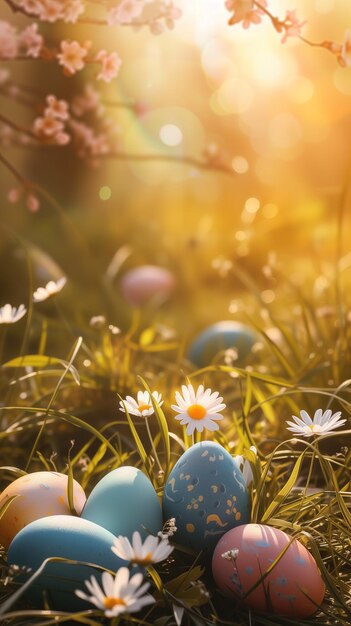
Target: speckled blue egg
{"x": 219, "y": 337}
{"x": 124, "y": 501}
{"x": 207, "y": 495}
{"x": 69, "y": 537}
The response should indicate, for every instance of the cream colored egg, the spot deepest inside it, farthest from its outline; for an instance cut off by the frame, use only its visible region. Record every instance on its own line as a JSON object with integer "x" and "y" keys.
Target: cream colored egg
{"x": 39, "y": 494}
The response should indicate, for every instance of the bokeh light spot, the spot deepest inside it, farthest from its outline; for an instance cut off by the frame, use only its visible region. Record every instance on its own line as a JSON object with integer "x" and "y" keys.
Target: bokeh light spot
{"x": 300, "y": 90}
{"x": 105, "y": 193}
{"x": 252, "y": 205}
{"x": 235, "y": 96}
{"x": 171, "y": 135}
{"x": 268, "y": 296}
{"x": 270, "y": 210}
{"x": 240, "y": 165}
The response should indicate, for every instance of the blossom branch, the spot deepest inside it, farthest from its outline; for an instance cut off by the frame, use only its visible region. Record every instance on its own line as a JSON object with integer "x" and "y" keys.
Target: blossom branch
{"x": 248, "y": 12}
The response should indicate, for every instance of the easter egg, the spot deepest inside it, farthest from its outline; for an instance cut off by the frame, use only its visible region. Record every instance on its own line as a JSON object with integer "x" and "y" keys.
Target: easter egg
{"x": 124, "y": 501}
{"x": 219, "y": 337}
{"x": 207, "y": 495}
{"x": 37, "y": 495}
{"x": 287, "y": 587}
{"x": 147, "y": 282}
{"x": 68, "y": 537}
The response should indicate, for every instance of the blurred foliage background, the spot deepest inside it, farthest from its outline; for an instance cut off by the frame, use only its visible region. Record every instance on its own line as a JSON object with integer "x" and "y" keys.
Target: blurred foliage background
{"x": 279, "y": 113}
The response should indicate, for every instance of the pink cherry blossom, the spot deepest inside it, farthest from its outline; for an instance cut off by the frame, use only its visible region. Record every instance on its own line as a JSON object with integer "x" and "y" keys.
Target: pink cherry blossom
{"x": 291, "y": 25}
{"x": 72, "y": 10}
{"x": 86, "y": 102}
{"x": 31, "y": 40}
{"x": 110, "y": 65}
{"x": 125, "y": 12}
{"x": 50, "y": 10}
{"x": 72, "y": 56}
{"x": 56, "y": 108}
{"x": 8, "y": 41}
{"x": 47, "y": 126}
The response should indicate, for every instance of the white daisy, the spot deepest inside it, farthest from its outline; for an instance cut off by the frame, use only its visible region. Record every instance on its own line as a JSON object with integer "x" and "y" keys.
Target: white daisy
{"x": 119, "y": 594}
{"x": 198, "y": 409}
{"x": 142, "y": 406}
{"x": 9, "y": 314}
{"x": 153, "y": 550}
{"x": 322, "y": 423}
{"x": 50, "y": 289}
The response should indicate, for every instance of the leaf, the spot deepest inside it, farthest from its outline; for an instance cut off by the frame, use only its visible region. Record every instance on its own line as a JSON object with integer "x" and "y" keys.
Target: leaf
{"x": 7, "y": 503}
{"x": 138, "y": 443}
{"x": 178, "y": 612}
{"x": 15, "y": 470}
{"x": 41, "y": 360}
{"x": 284, "y": 492}
{"x": 162, "y": 422}
{"x": 183, "y": 588}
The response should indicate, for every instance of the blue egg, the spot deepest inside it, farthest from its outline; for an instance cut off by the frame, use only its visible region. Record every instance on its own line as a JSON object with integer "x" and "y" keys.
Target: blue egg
{"x": 69, "y": 537}
{"x": 124, "y": 501}
{"x": 207, "y": 495}
{"x": 219, "y": 337}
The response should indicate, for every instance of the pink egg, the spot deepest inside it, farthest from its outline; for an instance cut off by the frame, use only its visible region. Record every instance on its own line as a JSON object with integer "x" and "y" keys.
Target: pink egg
{"x": 146, "y": 282}
{"x": 38, "y": 495}
{"x": 287, "y": 587}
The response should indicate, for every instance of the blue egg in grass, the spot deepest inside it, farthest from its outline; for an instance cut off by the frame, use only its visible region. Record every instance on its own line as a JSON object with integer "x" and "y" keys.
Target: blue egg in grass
{"x": 68, "y": 537}
{"x": 219, "y": 337}
{"x": 124, "y": 501}
{"x": 207, "y": 495}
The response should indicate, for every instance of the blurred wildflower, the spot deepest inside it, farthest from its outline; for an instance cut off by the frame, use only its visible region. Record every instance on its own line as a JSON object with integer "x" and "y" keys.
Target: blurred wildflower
{"x": 119, "y": 594}
{"x": 168, "y": 530}
{"x": 230, "y": 555}
{"x": 198, "y": 409}
{"x": 9, "y": 314}
{"x": 50, "y": 289}
{"x": 142, "y": 406}
{"x": 322, "y": 423}
{"x": 153, "y": 550}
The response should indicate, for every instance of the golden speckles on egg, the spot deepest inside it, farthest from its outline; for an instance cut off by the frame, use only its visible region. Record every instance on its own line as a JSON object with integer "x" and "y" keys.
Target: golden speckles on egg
{"x": 229, "y": 502}
{"x": 190, "y": 528}
{"x": 190, "y": 487}
{"x": 215, "y": 518}
{"x": 200, "y": 498}
{"x": 238, "y": 515}
{"x": 205, "y": 453}
{"x": 214, "y": 488}
{"x": 212, "y": 458}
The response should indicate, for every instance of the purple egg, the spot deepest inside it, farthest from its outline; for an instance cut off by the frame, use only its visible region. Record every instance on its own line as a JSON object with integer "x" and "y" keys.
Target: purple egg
{"x": 147, "y": 282}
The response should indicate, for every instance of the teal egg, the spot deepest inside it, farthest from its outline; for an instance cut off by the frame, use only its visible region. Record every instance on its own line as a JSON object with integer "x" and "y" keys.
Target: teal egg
{"x": 207, "y": 495}
{"x": 219, "y": 337}
{"x": 124, "y": 501}
{"x": 68, "y": 537}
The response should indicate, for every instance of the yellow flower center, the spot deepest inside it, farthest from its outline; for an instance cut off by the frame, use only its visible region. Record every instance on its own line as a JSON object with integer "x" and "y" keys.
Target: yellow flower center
{"x": 110, "y": 602}
{"x": 145, "y": 561}
{"x": 144, "y": 407}
{"x": 196, "y": 412}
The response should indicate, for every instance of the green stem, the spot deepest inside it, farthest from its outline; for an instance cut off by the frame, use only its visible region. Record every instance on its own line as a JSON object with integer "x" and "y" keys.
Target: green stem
{"x": 152, "y": 444}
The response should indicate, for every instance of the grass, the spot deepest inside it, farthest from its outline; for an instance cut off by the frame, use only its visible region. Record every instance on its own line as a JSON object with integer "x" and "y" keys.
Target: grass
{"x": 61, "y": 413}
